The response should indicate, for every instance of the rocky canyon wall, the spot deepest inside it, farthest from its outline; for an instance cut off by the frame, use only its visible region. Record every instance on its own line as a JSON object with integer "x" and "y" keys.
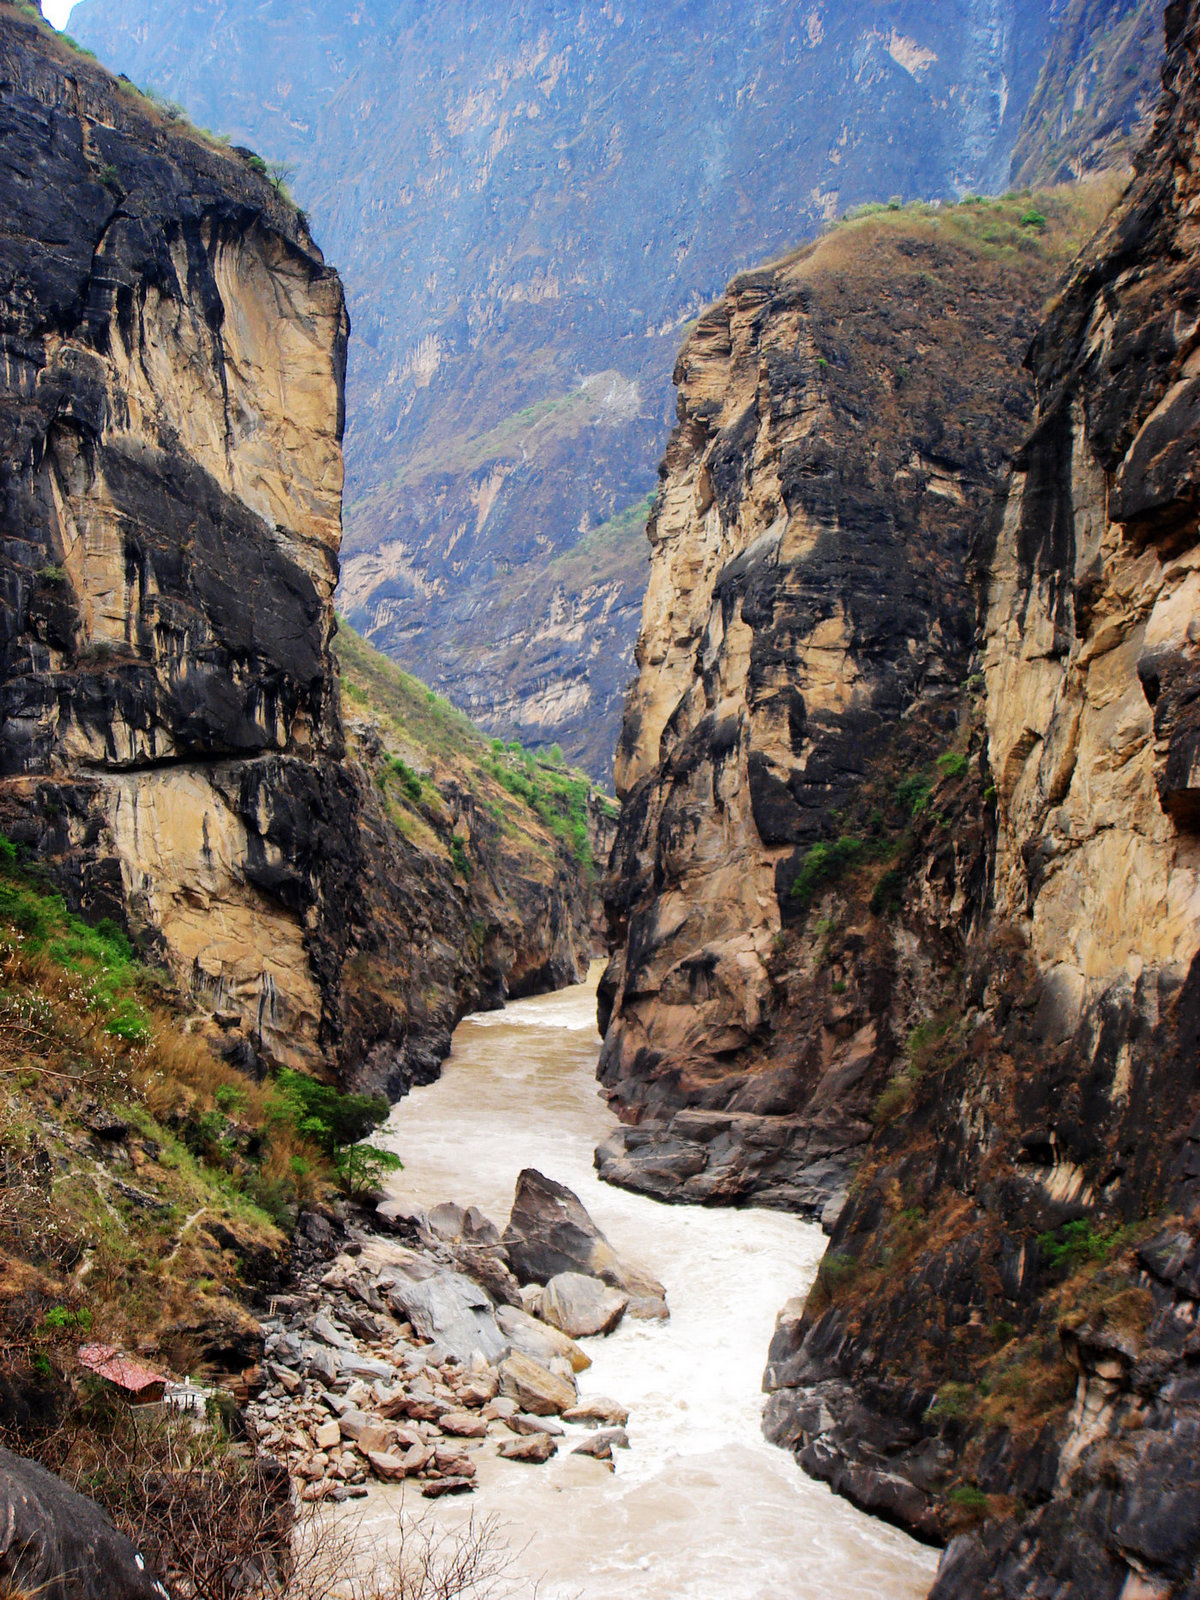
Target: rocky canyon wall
{"x": 806, "y": 635}
{"x": 172, "y": 746}
{"x": 928, "y": 920}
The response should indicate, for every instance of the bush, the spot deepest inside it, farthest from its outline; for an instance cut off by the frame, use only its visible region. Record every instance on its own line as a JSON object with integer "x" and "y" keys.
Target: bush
{"x": 1074, "y": 1244}
{"x": 458, "y": 854}
{"x": 324, "y": 1114}
{"x": 361, "y": 1168}
{"x": 825, "y": 863}
{"x": 952, "y": 764}
{"x": 1035, "y": 220}
{"x": 913, "y": 793}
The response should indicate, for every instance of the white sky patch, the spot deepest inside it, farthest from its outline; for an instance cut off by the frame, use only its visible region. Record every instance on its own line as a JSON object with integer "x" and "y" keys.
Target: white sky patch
{"x": 57, "y": 11}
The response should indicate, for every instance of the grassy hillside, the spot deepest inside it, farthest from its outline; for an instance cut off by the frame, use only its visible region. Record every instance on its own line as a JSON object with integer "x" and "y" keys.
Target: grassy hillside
{"x": 429, "y": 747}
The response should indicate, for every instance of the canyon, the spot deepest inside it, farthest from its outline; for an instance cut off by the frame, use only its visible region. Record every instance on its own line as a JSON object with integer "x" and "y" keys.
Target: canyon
{"x": 530, "y": 210}
{"x": 902, "y": 901}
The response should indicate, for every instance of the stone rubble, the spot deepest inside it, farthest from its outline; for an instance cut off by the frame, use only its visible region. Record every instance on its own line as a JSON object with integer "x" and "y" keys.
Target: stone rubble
{"x": 390, "y": 1360}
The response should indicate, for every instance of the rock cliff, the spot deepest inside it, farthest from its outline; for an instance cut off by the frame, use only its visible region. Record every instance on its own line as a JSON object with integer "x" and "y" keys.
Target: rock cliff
{"x": 1000, "y": 1345}
{"x": 806, "y": 634}
{"x": 172, "y": 744}
{"x": 529, "y": 207}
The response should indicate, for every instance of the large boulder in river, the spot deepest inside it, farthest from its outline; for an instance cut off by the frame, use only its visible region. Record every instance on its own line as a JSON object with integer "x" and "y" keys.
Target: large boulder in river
{"x": 538, "y": 1340}
{"x": 581, "y": 1306}
{"x": 59, "y": 1545}
{"x": 452, "y": 1311}
{"x": 543, "y": 1393}
{"x": 550, "y": 1232}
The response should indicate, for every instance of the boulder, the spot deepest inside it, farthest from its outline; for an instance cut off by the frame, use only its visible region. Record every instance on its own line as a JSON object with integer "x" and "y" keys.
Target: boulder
{"x": 538, "y": 1447}
{"x": 602, "y": 1444}
{"x": 522, "y": 1422}
{"x": 59, "y": 1545}
{"x": 534, "y": 1388}
{"x": 437, "y": 1487}
{"x": 550, "y": 1232}
{"x": 598, "y": 1412}
{"x": 538, "y": 1340}
{"x": 452, "y": 1310}
{"x": 463, "y": 1424}
{"x": 581, "y": 1306}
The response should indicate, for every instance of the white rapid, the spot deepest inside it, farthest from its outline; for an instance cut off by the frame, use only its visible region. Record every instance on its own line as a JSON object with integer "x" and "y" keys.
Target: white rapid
{"x": 701, "y": 1507}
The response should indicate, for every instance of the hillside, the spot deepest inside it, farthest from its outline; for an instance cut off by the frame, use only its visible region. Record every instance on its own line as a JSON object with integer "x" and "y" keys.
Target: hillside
{"x": 528, "y": 209}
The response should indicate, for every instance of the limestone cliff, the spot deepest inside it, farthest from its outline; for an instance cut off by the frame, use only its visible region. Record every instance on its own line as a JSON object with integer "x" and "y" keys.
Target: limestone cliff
{"x": 172, "y": 746}
{"x": 805, "y": 638}
{"x": 1003, "y": 1333}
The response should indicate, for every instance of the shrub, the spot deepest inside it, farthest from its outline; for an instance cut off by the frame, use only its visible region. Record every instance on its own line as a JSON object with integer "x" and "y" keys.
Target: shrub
{"x": 966, "y": 1497}
{"x": 324, "y": 1114}
{"x": 361, "y": 1168}
{"x": 1073, "y": 1244}
{"x": 458, "y": 854}
{"x": 912, "y": 794}
{"x": 952, "y": 764}
{"x": 825, "y": 863}
{"x": 1035, "y": 220}
{"x": 952, "y": 1401}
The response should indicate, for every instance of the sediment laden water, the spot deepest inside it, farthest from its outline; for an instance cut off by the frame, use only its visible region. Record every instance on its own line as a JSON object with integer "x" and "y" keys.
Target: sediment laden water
{"x": 701, "y": 1507}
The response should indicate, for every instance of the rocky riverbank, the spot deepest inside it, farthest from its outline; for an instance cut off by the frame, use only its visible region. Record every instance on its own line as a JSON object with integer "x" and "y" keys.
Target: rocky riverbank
{"x": 411, "y": 1353}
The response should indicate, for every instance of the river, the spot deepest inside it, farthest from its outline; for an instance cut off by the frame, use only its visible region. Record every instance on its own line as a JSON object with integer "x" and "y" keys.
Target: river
{"x": 700, "y": 1507}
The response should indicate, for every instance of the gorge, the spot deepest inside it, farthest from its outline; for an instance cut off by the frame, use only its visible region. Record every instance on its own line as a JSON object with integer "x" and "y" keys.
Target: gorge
{"x": 901, "y": 911}
{"x": 530, "y": 209}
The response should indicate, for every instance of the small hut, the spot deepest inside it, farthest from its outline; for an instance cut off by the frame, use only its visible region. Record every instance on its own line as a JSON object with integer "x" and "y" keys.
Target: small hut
{"x": 133, "y": 1382}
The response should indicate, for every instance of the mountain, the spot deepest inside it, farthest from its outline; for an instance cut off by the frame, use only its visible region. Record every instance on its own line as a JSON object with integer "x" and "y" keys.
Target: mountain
{"x": 528, "y": 207}
{"x": 172, "y": 747}
{"x": 904, "y": 894}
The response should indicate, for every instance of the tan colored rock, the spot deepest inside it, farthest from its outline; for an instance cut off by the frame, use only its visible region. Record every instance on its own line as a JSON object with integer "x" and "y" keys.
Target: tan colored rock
{"x": 580, "y": 1306}
{"x": 535, "y": 1388}
{"x": 538, "y": 1447}
{"x": 463, "y": 1424}
{"x": 597, "y": 1412}
{"x": 327, "y": 1436}
{"x": 539, "y": 1340}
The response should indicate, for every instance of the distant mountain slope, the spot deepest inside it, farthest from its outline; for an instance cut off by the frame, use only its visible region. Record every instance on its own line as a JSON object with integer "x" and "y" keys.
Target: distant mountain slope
{"x": 1097, "y": 92}
{"x": 528, "y": 205}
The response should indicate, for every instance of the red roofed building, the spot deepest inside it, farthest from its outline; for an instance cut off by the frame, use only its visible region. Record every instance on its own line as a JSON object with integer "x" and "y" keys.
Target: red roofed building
{"x": 136, "y": 1383}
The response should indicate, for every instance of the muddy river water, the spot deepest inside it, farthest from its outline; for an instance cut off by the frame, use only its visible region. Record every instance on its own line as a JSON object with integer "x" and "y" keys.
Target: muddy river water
{"x": 700, "y": 1507}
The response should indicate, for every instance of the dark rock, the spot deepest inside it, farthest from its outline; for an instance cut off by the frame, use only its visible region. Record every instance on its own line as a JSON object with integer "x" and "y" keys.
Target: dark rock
{"x": 550, "y": 1232}
{"x": 59, "y": 1545}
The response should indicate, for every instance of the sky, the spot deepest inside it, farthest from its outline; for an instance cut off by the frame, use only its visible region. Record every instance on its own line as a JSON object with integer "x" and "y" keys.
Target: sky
{"x": 57, "y": 11}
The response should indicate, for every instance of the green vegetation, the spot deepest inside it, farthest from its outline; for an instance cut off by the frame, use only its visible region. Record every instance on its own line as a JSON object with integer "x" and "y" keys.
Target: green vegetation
{"x": 1076, "y": 1243}
{"x": 100, "y": 958}
{"x": 558, "y": 796}
{"x": 458, "y": 854}
{"x": 953, "y": 1401}
{"x": 1052, "y": 223}
{"x": 952, "y": 764}
{"x": 533, "y": 791}
{"x": 607, "y": 551}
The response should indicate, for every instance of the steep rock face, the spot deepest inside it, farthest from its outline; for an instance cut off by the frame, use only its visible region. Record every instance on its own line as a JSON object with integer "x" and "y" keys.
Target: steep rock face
{"x": 1092, "y": 107}
{"x": 1005, "y": 1328}
{"x": 528, "y": 208}
{"x": 171, "y": 423}
{"x": 806, "y": 632}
